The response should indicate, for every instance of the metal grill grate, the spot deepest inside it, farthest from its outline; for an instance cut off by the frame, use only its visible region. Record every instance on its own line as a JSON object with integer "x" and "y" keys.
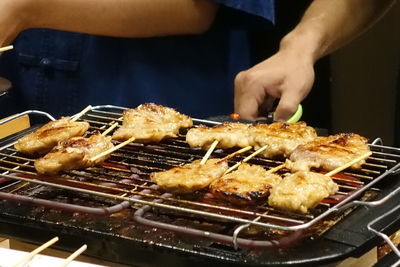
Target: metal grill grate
{"x": 122, "y": 181}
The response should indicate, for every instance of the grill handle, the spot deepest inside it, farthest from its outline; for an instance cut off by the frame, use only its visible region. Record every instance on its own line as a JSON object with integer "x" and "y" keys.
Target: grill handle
{"x": 45, "y": 114}
{"x": 371, "y": 228}
{"x": 371, "y": 225}
{"x": 16, "y": 116}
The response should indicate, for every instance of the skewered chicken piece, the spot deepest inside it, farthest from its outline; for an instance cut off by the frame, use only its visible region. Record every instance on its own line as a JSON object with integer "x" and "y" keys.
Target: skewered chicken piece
{"x": 74, "y": 153}
{"x": 190, "y": 177}
{"x": 281, "y": 137}
{"x": 249, "y": 184}
{"x": 301, "y": 191}
{"x": 228, "y": 135}
{"x": 151, "y": 122}
{"x": 46, "y": 137}
{"x": 329, "y": 152}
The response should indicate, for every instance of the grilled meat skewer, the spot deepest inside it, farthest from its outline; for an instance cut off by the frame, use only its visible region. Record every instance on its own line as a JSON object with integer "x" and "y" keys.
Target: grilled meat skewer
{"x": 46, "y": 137}
{"x": 74, "y": 153}
{"x": 301, "y": 191}
{"x": 282, "y": 138}
{"x": 151, "y": 122}
{"x": 329, "y": 153}
{"x": 247, "y": 185}
{"x": 227, "y": 134}
{"x": 190, "y": 177}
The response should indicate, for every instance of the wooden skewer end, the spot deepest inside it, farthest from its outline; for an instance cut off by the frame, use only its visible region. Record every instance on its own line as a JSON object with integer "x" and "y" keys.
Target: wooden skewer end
{"x": 104, "y": 153}
{"x": 209, "y": 151}
{"x": 6, "y": 48}
{"x": 345, "y": 166}
{"x": 80, "y": 114}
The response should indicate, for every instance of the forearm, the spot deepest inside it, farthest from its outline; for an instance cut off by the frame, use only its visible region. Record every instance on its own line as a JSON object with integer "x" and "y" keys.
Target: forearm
{"x": 329, "y": 24}
{"x": 120, "y": 18}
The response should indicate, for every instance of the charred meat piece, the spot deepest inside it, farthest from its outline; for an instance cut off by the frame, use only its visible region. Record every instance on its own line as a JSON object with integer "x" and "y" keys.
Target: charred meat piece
{"x": 190, "y": 177}
{"x": 282, "y": 138}
{"x": 151, "y": 122}
{"x": 228, "y": 134}
{"x": 301, "y": 191}
{"x": 247, "y": 185}
{"x": 329, "y": 153}
{"x": 46, "y": 137}
{"x": 74, "y": 153}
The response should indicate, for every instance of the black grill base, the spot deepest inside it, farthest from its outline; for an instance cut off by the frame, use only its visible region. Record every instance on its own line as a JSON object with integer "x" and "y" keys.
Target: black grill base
{"x": 349, "y": 238}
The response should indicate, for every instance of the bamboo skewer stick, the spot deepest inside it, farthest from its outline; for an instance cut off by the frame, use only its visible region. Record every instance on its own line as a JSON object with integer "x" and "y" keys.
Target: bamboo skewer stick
{"x": 240, "y": 151}
{"x": 348, "y": 164}
{"x": 333, "y": 172}
{"x": 208, "y": 154}
{"x": 73, "y": 256}
{"x": 109, "y": 129}
{"x": 36, "y": 251}
{"x": 255, "y": 153}
{"x": 113, "y": 149}
{"x": 80, "y": 114}
{"x": 277, "y": 168}
{"x": 6, "y": 48}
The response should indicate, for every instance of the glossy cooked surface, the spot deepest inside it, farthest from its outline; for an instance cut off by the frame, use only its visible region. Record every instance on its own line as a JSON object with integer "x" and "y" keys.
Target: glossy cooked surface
{"x": 151, "y": 122}
{"x": 281, "y": 138}
{"x": 301, "y": 191}
{"x": 74, "y": 153}
{"x": 190, "y": 177}
{"x": 230, "y": 134}
{"x": 46, "y": 137}
{"x": 247, "y": 185}
{"x": 329, "y": 153}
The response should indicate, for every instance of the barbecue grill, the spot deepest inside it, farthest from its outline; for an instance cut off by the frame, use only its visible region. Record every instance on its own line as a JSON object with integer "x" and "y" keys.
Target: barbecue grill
{"x": 125, "y": 218}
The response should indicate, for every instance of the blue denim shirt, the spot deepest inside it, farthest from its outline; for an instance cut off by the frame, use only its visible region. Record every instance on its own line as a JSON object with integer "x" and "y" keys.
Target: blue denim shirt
{"x": 62, "y": 72}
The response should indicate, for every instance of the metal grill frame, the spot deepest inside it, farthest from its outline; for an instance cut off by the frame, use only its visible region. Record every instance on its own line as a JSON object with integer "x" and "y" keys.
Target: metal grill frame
{"x": 349, "y": 202}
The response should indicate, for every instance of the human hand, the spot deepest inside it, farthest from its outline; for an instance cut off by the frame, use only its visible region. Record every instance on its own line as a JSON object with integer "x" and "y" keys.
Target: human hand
{"x": 286, "y": 75}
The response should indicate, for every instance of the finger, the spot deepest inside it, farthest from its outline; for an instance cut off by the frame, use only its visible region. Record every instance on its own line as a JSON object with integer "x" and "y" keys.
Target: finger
{"x": 247, "y": 107}
{"x": 246, "y": 103}
{"x": 287, "y": 107}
